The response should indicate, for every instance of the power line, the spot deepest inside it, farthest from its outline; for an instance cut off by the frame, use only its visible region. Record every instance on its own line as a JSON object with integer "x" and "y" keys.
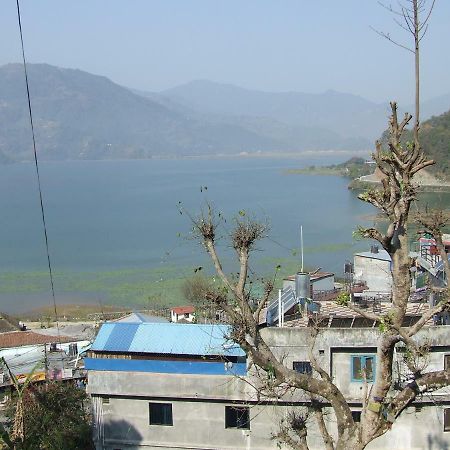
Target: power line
{"x": 37, "y": 171}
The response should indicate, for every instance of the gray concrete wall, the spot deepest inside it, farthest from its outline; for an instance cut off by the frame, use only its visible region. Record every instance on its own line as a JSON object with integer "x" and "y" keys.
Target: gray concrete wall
{"x": 376, "y": 273}
{"x": 201, "y": 425}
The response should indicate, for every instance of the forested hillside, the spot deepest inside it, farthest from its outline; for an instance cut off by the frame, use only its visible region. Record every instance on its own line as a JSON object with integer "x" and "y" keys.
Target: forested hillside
{"x": 435, "y": 138}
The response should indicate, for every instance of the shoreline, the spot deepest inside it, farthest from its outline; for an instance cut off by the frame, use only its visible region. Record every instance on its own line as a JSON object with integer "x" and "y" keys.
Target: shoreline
{"x": 241, "y": 155}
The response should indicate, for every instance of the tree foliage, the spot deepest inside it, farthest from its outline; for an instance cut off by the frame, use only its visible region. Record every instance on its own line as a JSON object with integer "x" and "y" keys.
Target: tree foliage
{"x": 56, "y": 416}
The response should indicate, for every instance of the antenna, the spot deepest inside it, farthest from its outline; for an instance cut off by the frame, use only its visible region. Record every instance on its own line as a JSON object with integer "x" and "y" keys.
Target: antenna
{"x": 301, "y": 244}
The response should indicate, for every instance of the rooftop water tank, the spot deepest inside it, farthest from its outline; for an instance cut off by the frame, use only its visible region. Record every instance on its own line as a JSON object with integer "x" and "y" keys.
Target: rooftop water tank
{"x": 302, "y": 285}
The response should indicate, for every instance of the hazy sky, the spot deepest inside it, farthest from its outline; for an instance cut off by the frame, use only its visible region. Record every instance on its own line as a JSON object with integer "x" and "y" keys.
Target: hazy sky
{"x": 272, "y": 45}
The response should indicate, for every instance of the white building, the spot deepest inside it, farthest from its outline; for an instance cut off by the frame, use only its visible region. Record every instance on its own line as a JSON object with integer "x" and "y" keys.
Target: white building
{"x": 182, "y": 314}
{"x": 374, "y": 269}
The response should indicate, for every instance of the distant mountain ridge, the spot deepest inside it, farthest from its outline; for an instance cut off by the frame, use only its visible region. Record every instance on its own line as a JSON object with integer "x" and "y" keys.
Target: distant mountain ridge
{"x": 82, "y": 116}
{"x": 345, "y": 114}
{"x": 78, "y": 115}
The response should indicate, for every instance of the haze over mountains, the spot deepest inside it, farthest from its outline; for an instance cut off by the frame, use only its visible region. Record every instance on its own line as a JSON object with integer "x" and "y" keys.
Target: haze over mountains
{"x": 78, "y": 115}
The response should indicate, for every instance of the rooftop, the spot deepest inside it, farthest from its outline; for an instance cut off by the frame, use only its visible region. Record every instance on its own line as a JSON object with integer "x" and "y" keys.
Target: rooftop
{"x": 137, "y": 317}
{"x": 22, "y": 338}
{"x": 166, "y": 338}
{"x": 331, "y": 310}
{"x": 183, "y": 309}
{"x": 382, "y": 255}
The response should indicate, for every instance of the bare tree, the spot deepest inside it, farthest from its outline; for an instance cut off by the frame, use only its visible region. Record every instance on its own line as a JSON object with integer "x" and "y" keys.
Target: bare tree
{"x": 195, "y": 291}
{"x": 398, "y": 164}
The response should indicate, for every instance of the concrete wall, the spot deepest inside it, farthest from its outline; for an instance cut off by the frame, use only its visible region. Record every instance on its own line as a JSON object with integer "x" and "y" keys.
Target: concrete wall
{"x": 375, "y": 272}
{"x": 196, "y": 425}
{"x": 201, "y": 425}
{"x": 324, "y": 284}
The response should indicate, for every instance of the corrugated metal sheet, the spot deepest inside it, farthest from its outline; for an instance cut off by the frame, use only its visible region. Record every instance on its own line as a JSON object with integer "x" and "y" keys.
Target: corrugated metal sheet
{"x": 137, "y": 317}
{"x": 166, "y": 338}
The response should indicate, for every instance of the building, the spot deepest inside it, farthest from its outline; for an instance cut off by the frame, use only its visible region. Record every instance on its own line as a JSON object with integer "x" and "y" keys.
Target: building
{"x": 188, "y": 387}
{"x": 44, "y": 356}
{"x": 374, "y": 269}
{"x": 428, "y": 250}
{"x": 182, "y": 314}
{"x": 156, "y": 384}
{"x": 429, "y": 262}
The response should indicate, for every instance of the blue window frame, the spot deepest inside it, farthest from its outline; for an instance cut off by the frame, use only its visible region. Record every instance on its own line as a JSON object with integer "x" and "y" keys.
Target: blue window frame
{"x": 363, "y": 364}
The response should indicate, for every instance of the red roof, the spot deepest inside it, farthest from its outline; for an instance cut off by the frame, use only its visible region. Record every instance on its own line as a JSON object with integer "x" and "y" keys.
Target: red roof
{"x": 183, "y": 310}
{"x": 20, "y": 338}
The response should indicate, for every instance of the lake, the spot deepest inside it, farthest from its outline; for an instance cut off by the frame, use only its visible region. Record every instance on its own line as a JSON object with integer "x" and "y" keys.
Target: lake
{"x": 116, "y": 224}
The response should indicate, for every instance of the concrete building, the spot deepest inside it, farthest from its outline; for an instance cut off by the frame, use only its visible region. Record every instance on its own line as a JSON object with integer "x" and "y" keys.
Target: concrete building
{"x": 373, "y": 268}
{"x": 428, "y": 250}
{"x": 429, "y": 263}
{"x": 181, "y": 386}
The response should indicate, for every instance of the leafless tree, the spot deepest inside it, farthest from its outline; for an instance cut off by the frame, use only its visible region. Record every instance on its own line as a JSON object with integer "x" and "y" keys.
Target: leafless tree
{"x": 398, "y": 164}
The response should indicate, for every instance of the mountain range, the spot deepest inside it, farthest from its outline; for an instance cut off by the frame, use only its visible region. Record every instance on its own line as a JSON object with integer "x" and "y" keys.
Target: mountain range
{"x": 78, "y": 115}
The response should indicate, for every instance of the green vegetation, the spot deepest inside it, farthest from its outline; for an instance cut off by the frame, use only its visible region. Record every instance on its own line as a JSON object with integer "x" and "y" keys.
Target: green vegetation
{"x": 55, "y": 416}
{"x": 435, "y": 140}
{"x": 131, "y": 288}
{"x": 134, "y": 287}
{"x": 353, "y": 168}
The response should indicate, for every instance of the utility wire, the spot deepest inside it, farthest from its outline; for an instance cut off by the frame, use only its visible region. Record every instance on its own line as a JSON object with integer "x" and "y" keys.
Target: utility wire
{"x": 37, "y": 172}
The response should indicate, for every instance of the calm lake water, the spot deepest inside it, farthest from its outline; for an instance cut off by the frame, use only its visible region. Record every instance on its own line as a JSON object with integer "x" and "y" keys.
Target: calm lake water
{"x": 115, "y": 215}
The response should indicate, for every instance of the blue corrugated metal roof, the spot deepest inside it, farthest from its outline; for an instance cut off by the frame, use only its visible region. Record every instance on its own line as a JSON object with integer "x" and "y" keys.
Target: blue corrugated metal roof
{"x": 137, "y": 317}
{"x": 166, "y": 338}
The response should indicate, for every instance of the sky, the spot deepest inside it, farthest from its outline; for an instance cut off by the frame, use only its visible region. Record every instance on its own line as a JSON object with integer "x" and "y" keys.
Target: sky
{"x": 271, "y": 45}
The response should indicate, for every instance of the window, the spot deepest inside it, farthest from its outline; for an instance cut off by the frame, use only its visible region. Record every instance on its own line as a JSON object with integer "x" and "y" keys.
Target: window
{"x": 160, "y": 414}
{"x": 363, "y": 364}
{"x": 447, "y": 419}
{"x": 105, "y": 400}
{"x": 186, "y": 315}
{"x": 237, "y": 417}
{"x": 446, "y": 362}
{"x": 356, "y": 416}
{"x": 302, "y": 367}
